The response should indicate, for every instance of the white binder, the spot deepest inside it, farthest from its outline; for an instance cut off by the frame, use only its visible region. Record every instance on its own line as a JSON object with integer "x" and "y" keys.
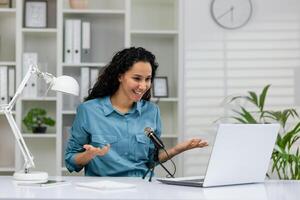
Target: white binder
{"x": 3, "y": 83}
{"x": 68, "y": 43}
{"x": 86, "y": 41}
{"x": 85, "y": 82}
{"x": 30, "y": 89}
{"x": 11, "y": 83}
{"x": 76, "y": 41}
{"x": 93, "y": 76}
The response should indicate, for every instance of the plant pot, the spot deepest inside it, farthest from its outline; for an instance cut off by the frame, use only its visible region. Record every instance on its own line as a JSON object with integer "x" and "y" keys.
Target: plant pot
{"x": 39, "y": 129}
{"x": 78, "y": 4}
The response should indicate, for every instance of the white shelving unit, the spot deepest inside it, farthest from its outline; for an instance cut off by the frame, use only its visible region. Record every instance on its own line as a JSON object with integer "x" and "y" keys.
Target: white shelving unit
{"x": 115, "y": 24}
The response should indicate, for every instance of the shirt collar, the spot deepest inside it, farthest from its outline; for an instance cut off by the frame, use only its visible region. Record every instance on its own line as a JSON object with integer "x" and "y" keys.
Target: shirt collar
{"x": 108, "y": 108}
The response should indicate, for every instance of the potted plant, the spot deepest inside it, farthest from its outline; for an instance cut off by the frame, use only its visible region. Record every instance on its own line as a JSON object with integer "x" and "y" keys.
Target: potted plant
{"x": 285, "y": 156}
{"x": 37, "y": 121}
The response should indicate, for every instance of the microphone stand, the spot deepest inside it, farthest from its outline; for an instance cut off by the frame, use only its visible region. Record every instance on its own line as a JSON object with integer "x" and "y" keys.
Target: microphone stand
{"x": 154, "y": 160}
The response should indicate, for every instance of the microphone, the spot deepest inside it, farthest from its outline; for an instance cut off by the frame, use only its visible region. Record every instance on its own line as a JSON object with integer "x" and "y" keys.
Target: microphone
{"x": 155, "y": 140}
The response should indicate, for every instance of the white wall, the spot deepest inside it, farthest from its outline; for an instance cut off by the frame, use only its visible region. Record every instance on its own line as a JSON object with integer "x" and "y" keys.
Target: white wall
{"x": 219, "y": 62}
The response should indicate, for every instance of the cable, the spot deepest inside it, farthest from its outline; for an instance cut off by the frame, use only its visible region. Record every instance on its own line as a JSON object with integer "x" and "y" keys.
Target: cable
{"x": 174, "y": 165}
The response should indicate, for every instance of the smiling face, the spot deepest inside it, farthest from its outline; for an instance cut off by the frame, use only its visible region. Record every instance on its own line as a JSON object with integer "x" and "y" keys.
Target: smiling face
{"x": 135, "y": 82}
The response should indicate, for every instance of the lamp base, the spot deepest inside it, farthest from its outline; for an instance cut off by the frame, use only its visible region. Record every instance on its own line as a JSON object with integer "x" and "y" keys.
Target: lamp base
{"x": 31, "y": 177}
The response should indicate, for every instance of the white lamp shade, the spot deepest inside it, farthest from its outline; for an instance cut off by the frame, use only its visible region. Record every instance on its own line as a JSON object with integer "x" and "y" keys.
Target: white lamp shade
{"x": 65, "y": 84}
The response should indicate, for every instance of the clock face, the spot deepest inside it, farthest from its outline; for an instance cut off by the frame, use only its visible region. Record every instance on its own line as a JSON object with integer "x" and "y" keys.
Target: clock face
{"x": 231, "y": 14}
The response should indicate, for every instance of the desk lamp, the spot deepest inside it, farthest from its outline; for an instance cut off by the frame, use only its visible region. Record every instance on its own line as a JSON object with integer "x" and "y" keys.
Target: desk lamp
{"x": 65, "y": 84}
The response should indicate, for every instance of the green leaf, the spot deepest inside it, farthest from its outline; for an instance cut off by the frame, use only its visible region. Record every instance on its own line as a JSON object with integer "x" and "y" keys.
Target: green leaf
{"x": 253, "y": 98}
{"x": 248, "y": 116}
{"x": 288, "y": 137}
{"x": 262, "y": 97}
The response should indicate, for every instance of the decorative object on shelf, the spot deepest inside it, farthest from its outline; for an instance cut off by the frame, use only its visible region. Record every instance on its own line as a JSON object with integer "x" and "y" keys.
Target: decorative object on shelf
{"x": 78, "y": 4}
{"x": 37, "y": 121}
{"x": 64, "y": 84}
{"x": 5, "y": 3}
{"x": 35, "y": 13}
{"x": 285, "y": 156}
{"x": 231, "y": 14}
{"x": 160, "y": 87}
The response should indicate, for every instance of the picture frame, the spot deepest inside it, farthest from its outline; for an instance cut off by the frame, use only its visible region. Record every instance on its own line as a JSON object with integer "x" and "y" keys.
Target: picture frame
{"x": 5, "y": 3}
{"x": 35, "y": 12}
{"x": 160, "y": 87}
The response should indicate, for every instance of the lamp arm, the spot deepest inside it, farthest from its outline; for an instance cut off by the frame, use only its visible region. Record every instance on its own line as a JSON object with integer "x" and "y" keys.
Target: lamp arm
{"x": 21, "y": 87}
{"x": 33, "y": 69}
{"x": 20, "y": 141}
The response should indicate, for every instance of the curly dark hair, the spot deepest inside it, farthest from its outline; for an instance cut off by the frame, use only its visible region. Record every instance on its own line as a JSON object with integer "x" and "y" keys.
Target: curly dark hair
{"x": 108, "y": 81}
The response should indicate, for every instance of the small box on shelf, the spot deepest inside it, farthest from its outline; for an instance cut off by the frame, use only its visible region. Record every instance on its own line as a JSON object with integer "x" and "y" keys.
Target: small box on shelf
{"x": 5, "y": 4}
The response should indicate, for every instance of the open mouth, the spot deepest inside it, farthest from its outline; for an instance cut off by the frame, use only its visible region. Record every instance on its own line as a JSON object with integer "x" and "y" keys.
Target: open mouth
{"x": 137, "y": 92}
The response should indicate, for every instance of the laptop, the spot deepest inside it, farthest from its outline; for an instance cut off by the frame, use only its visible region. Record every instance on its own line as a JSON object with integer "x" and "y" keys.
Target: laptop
{"x": 241, "y": 154}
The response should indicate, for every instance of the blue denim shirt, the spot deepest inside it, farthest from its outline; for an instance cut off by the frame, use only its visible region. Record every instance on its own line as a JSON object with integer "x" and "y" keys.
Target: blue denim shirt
{"x": 98, "y": 123}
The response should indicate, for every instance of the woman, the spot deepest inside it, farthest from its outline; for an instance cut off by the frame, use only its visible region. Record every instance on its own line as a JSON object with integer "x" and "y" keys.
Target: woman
{"x": 107, "y": 136}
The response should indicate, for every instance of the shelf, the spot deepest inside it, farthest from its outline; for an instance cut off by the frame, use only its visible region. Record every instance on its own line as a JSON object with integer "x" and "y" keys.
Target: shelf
{"x": 69, "y": 112}
{"x": 13, "y": 112}
{"x": 39, "y": 99}
{"x": 39, "y": 30}
{"x": 155, "y": 32}
{"x": 84, "y": 64}
{"x": 7, "y": 169}
{"x": 39, "y": 135}
{"x": 7, "y": 10}
{"x": 8, "y": 63}
{"x": 96, "y": 11}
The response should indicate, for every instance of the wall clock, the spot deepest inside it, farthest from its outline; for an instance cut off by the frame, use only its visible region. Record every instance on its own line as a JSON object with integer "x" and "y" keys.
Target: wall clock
{"x": 231, "y": 14}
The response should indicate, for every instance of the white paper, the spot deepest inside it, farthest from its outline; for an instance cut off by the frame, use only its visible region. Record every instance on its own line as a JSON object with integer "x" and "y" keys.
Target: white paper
{"x": 49, "y": 183}
{"x": 105, "y": 185}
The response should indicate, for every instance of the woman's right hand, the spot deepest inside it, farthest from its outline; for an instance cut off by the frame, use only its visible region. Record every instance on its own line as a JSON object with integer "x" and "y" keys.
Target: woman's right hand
{"x": 96, "y": 151}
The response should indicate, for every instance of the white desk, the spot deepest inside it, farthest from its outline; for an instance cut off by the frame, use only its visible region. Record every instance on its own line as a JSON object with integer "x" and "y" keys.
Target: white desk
{"x": 271, "y": 190}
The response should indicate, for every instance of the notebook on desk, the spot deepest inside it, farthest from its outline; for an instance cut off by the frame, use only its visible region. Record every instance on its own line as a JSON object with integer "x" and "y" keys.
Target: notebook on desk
{"x": 240, "y": 155}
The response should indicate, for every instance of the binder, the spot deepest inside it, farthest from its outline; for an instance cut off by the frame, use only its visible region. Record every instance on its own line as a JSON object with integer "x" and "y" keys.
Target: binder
{"x": 30, "y": 89}
{"x": 3, "y": 83}
{"x": 85, "y": 82}
{"x": 68, "y": 43}
{"x": 86, "y": 41}
{"x": 93, "y": 76}
{"x": 11, "y": 83}
{"x": 76, "y": 41}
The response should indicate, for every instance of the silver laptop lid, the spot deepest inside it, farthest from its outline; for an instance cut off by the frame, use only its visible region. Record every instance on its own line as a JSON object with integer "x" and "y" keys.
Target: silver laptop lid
{"x": 241, "y": 154}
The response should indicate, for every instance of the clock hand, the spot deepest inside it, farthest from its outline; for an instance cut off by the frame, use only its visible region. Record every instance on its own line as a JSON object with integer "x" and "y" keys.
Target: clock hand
{"x": 226, "y": 12}
{"x": 231, "y": 14}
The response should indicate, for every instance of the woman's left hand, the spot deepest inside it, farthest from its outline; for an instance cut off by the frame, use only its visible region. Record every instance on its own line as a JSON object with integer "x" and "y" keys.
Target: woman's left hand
{"x": 191, "y": 144}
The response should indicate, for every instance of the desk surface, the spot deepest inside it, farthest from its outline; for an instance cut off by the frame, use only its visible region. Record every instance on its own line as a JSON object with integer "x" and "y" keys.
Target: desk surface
{"x": 270, "y": 190}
